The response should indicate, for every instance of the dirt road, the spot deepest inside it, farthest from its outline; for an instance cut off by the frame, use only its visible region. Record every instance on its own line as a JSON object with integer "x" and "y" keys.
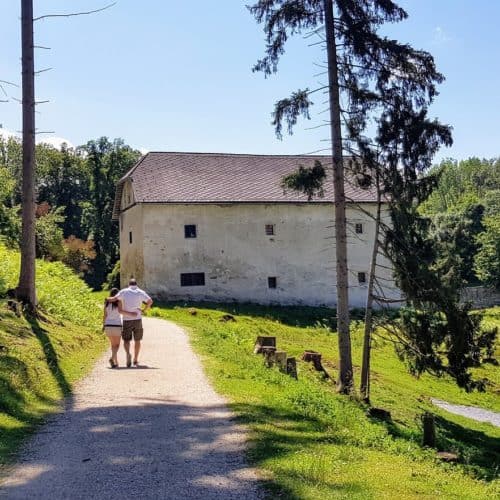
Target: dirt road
{"x": 157, "y": 431}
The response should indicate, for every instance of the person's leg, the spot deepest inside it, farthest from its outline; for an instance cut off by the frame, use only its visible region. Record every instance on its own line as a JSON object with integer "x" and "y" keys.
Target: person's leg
{"x": 137, "y": 340}
{"x": 127, "y": 337}
{"x": 115, "y": 345}
{"x": 137, "y": 349}
{"x": 111, "y": 346}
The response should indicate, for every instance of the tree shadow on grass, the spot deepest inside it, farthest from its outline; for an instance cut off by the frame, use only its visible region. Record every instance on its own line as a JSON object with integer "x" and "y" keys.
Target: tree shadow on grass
{"x": 283, "y": 433}
{"x": 478, "y": 452}
{"x": 14, "y": 376}
{"x": 301, "y": 316}
{"x": 50, "y": 354}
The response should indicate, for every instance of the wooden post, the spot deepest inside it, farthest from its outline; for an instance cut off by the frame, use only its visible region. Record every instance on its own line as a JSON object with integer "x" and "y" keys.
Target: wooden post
{"x": 264, "y": 342}
{"x": 429, "y": 427}
{"x": 291, "y": 367}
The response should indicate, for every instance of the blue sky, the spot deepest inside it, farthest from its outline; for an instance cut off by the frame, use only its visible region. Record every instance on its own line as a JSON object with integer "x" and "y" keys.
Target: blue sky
{"x": 176, "y": 76}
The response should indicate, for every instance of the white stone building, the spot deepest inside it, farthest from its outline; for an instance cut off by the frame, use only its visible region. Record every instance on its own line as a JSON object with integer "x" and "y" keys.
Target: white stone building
{"x": 218, "y": 227}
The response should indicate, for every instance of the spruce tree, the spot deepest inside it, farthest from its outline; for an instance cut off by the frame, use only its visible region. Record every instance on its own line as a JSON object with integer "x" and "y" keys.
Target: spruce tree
{"x": 371, "y": 74}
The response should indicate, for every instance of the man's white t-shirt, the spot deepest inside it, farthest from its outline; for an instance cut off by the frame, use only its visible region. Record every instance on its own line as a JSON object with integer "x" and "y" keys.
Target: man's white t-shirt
{"x": 132, "y": 299}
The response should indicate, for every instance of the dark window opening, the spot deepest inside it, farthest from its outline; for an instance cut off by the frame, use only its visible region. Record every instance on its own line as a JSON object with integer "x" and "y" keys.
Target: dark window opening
{"x": 271, "y": 282}
{"x": 361, "y": 278}
{"x": 192, "y": 279}
{"x": 269, "y": 229}
{"x": 359, "y": 228}
{"x": 130, "y": 237}
{"x": 190, "y": 231}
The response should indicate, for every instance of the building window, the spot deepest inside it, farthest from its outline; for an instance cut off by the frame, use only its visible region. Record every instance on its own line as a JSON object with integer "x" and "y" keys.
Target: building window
{"x": 192, "y": 279}
{"x": 269, "y": 229}
{"x": 130, "y": 237}
{"x": 271, "y": 282}
{"x": 190, "y": 231}
{"x": 359, "y": 228}
{"x": 362, "y": 278}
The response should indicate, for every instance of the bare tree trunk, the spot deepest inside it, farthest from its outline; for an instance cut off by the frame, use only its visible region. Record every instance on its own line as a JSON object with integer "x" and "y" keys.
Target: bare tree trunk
{"x": 367, "y": 341}
{"x": 345, "y": 381}
{"x": 26, "y": 291}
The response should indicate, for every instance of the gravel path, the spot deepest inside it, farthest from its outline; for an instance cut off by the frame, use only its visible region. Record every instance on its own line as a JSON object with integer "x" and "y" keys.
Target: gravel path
{"x": 159, "y": 431}
{"x": 472, "y": 412}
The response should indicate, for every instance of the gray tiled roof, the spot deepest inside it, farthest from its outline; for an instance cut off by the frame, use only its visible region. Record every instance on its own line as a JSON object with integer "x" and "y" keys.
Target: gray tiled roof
{"x": 223, "y": 178}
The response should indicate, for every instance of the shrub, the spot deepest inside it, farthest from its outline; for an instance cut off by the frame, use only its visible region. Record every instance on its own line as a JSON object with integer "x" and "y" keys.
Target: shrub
{"x": 78, "y": 254}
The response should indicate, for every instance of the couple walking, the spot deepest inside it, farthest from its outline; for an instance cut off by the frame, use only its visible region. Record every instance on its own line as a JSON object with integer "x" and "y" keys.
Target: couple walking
{"x": 123, "y": 319}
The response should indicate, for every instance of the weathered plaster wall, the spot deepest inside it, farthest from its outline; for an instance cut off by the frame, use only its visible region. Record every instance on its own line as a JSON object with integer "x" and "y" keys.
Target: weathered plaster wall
{"x": 237, "y": 257}
{"x": 131, "y": 254}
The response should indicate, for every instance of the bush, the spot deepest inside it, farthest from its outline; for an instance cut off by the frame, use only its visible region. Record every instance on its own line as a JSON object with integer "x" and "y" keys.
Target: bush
{"x": 113, "y": 278}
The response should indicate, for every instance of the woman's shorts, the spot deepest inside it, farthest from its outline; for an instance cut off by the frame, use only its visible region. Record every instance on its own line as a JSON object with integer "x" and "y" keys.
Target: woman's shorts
{"x": 113, "y": 331}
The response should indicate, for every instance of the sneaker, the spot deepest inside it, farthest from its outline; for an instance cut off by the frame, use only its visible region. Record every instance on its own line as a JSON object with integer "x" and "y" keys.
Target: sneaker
{"x": 136, "y": 363}
{"x": 129, "y": 360}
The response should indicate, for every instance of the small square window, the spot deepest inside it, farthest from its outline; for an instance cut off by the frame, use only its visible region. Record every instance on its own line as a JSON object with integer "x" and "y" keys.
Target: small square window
{"x": 361, "y": 278}
{"x": 359, "y": 228}
{"x": 271, "y": 282}
{"x": 190, "y": 231}
{"x": 130, "y": 237}
{"x": 269, "y": 229}
{"x": 192, "y": 279}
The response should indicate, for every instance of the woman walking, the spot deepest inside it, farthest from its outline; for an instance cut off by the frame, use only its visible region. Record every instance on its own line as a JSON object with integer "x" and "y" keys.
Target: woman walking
{"x": 112, "y": 322}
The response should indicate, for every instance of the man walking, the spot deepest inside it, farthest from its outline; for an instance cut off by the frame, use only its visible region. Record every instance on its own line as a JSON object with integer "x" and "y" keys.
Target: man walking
{"x": 132, "y": 300}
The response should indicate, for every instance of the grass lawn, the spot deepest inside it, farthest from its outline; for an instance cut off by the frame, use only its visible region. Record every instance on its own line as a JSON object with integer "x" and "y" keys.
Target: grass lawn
{"x": 312, "y": 443}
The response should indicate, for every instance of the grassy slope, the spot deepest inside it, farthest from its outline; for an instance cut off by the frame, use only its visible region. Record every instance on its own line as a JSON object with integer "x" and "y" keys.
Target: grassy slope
{"x": 41, "y": 359}
{"x": 316, "y": 444}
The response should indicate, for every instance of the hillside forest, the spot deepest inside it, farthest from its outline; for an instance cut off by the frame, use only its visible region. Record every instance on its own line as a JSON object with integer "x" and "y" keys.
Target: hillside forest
{"x": 75, "y": 195}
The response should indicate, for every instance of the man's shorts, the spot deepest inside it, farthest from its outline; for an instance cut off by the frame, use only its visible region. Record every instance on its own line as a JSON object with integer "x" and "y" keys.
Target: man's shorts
{"x": 132, "y": 327}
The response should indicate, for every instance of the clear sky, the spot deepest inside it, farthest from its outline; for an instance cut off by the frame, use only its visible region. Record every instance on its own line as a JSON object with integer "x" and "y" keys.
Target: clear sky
{"x": 176, "y": 75}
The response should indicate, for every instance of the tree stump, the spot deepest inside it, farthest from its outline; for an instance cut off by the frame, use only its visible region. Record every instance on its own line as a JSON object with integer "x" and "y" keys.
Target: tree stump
{"x": 315, "y": 358}
{"x": 291, "y": 367}
{"x": 429, "y": 427}
{"x": 269, "y": 356}
{"x": 280, "y": 360}
{"x": 447, "y": 456}
{"x": 264, "y": 342}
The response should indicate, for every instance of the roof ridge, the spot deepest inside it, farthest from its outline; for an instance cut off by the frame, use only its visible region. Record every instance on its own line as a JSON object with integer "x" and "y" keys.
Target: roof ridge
{"x": 206, "y": 153}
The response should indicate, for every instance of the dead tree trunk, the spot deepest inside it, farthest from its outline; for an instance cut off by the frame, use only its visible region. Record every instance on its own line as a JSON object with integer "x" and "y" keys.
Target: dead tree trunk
{"x": 26, "y": 291}
{"x": 345, "y": 381}
{"x": 367, "y": 340}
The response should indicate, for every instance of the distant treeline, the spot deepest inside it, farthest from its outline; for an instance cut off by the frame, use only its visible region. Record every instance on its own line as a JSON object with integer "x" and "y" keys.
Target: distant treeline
{"x": 75, "y": 195}
{"x": 465, "y": 211}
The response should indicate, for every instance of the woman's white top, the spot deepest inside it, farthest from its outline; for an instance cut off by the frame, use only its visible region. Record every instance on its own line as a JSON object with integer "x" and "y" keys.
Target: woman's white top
{"x": 113, "y": 316}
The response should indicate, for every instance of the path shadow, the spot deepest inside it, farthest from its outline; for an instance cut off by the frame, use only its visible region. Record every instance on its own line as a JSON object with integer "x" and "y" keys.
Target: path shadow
{"x": 156, "y": 449}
